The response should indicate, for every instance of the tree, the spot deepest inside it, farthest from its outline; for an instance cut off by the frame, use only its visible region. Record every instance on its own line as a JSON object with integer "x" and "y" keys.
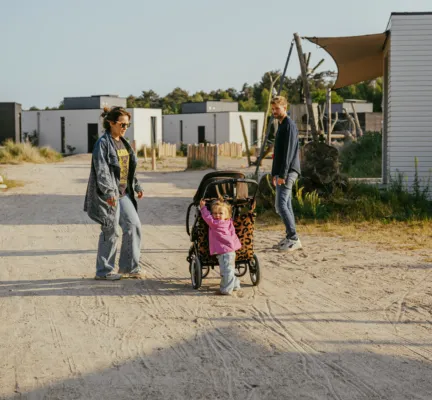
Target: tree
{"x": 33, "y": 108}
{"x": 319, "y": 96}
{"x": 149, "y": 99}
{"x": 372, "y": 91}
{"x": 171, "y": 103}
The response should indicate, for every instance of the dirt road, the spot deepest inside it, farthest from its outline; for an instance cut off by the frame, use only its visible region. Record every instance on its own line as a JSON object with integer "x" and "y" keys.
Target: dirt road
{"x": 339, "y": 320}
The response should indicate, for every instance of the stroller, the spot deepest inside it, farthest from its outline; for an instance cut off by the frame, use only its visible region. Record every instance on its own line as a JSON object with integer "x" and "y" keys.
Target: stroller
{"x": 234, "y": 188}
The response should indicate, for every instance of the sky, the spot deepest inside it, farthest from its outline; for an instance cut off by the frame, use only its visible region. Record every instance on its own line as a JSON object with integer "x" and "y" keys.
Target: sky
{"x": 53, "y": 49}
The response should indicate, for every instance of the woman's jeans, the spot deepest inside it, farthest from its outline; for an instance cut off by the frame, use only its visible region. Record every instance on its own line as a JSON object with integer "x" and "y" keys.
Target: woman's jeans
{"x": 229, "y": 281}
{"x": 283, "y": 205}
{"x": 126, "y": 218}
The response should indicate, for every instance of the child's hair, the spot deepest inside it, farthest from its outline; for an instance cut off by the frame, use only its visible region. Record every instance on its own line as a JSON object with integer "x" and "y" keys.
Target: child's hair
{"x": 221, "y": 205}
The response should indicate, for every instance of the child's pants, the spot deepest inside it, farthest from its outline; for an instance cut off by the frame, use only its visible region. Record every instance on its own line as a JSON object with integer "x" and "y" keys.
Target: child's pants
{"x": 229, "y": 281}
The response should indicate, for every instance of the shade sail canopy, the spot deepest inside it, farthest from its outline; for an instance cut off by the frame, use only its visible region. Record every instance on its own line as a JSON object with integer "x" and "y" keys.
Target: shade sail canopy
{"x": 358, "y": 58}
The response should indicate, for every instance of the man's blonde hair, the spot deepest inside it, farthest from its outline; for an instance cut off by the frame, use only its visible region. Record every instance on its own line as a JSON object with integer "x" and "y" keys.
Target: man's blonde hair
{"x": 280, "y": 101}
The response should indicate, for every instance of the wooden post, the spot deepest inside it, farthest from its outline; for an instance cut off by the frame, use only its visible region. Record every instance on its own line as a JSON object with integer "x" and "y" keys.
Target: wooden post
{"x": 329, "y": 116}
{"x": 352, "y": 124}
{"x": 145, "y": 152}
{"x": 304, "y": 74}
{"x": 357, "y": 122}
{"x": 153, "y": 159}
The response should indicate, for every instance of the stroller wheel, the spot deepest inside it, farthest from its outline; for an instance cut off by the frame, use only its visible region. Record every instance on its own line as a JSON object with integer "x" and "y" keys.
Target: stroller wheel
{"x": 205, "y": 271}
{"x": 240, "y": 270}
{"x": 196, "y": 272}
{"x": 254, "y": 271}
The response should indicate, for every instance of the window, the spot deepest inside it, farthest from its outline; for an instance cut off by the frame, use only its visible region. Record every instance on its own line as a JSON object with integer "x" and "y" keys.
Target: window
{"x": 181, "y": 131}
{"x": 153, "y": 130}
{"x": 63, "y": 134}
{"x": 201, "y": 134}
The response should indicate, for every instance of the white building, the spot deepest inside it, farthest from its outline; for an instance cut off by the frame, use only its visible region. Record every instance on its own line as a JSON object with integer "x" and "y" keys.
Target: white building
{"x": 81, "y": 128}
{"x": 212, "y": 126}
{"x": 403, "y": 56}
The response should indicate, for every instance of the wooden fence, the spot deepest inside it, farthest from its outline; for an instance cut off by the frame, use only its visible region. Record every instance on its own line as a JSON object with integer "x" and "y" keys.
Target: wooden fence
{"x": 230, "y": 150}
{"x": 206, "y": 154}
{"x": 166, "y": 150}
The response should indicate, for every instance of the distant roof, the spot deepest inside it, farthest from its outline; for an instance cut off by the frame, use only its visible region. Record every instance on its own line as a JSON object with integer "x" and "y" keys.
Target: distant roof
{"x": 105, "y": 95}
{"x": 210, "y": 101}
{"x": 413, "y": 13}
{"x": 93, "y": 95}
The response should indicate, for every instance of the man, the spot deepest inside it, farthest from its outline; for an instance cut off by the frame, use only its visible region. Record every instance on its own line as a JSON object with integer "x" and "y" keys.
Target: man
{"x": 285, "y": 171}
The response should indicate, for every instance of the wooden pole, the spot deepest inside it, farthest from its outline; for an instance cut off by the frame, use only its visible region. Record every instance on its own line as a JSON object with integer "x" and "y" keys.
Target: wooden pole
{"x": 153, "y": 159}
{"x": 329, "y": 116}
{"x": 352, "y": 124}
{"x": 357, "y": 122}
{"x": 304, "y": 75}
{"x": 263, "y": 144}
{"x": 245, "y": 140}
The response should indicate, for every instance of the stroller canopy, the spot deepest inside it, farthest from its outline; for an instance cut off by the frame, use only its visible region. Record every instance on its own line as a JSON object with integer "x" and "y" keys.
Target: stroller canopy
{"x": 216, "y": 190}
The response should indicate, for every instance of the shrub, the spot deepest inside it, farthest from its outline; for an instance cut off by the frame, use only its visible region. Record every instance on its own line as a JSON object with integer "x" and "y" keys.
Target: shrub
{"x": 16, "y": 153}
{"x": 199, "y": 164}
{"x": 363, "y": 158}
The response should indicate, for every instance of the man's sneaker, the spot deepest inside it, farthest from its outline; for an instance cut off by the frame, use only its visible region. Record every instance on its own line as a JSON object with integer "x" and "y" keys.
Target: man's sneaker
{"x": 109, "y": 277}
{"x": 291, "y": 245}
{"x": 277, "y": 246}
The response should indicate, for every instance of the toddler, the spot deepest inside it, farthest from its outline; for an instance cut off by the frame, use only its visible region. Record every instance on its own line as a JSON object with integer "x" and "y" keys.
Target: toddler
{"x": 223, "y": 242}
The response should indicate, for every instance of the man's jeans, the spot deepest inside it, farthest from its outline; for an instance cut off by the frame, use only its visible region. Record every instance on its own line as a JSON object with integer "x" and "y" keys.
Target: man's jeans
{"x": 229, "y": 281}
{"x": 283, "y": 205}
{"x": 127, "y": 218}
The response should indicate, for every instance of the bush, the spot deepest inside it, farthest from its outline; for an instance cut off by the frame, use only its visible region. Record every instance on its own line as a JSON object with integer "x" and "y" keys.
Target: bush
{"x": 16, "y": 153}
{"x": 356, "y": 202}
{"x": 199, "y": 164}
{"x": 363, "y": 159}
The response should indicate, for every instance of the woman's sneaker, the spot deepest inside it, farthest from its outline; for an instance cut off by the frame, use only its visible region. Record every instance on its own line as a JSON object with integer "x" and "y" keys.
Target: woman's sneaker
{"x": 277, "y": 246}
{"x": 109, "y": 277}
{"x": 291, "y": 245}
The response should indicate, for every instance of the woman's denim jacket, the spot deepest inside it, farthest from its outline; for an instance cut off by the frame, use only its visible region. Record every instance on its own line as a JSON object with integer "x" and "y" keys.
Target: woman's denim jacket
{"x": 104, "y": 181}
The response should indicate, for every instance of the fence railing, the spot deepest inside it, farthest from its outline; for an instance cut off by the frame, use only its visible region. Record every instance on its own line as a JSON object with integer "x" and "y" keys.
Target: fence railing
{"x": 166, "y": 150}
{"x": 206, "y": 154}
{"x": 230, "y": 150}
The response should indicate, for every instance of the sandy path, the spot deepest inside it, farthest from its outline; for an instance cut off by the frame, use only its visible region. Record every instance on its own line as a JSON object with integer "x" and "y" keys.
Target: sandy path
{"x": 340, "y": 320}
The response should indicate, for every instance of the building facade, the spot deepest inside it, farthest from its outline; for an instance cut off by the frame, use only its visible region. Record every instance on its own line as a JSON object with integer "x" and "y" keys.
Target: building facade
{"x": 80, "y": 129}
{"x": 407, "y": 140}
{"x": 213, "y": 128}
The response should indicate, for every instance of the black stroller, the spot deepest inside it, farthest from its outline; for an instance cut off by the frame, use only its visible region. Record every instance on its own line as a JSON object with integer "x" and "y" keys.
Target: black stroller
{"x": 234, "y": 188}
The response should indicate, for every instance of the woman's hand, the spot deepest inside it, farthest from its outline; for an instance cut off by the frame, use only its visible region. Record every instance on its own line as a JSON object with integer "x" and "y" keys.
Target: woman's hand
{"x": 112, "y": 201}
{"x": 140, "y": 195}
{"x": 202, "y": 203}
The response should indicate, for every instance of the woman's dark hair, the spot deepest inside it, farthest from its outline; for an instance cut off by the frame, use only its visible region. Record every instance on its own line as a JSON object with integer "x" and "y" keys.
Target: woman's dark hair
{"x": 113, "y": 114}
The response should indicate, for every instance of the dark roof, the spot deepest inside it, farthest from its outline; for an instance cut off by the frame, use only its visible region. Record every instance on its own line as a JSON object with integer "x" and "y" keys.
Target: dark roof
{"x": 412, "y": 13}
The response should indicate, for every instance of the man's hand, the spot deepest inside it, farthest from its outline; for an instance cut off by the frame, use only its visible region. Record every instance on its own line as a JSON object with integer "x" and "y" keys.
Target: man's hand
{"x": 202, "y": 203}
{"x": 278, "y": 181}
{"x": 112, "y": 201}
{"x": 140, "y": 195}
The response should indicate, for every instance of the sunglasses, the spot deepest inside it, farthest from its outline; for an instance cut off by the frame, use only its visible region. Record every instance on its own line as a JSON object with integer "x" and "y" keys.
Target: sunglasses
{"x": 124, "y": 125}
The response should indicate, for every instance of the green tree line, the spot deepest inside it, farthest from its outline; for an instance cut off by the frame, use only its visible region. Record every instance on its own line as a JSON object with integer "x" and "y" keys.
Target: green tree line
{"x": 255, "y": 97}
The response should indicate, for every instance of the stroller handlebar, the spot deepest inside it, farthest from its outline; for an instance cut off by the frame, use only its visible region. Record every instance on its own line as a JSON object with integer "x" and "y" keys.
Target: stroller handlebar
{"x": 231, "y": 180}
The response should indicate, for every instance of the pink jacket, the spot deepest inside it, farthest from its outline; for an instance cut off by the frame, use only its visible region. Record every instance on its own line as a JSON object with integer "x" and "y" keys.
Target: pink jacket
{"x": 222, "y": 235}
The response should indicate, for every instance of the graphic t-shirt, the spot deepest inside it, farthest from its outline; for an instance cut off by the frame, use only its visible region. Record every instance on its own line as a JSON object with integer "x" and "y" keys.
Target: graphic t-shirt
{"x": 123, "y": 157}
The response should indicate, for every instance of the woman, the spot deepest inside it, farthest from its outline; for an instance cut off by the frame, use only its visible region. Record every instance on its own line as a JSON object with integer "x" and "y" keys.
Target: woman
{"x": 110, "y": 199}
